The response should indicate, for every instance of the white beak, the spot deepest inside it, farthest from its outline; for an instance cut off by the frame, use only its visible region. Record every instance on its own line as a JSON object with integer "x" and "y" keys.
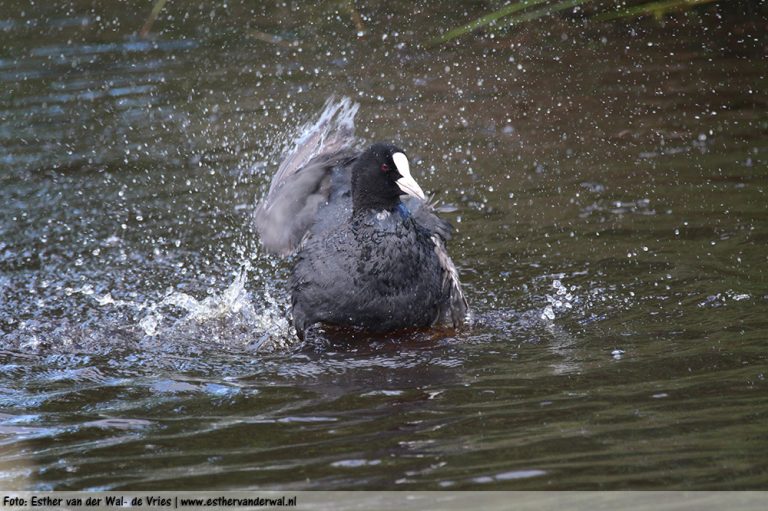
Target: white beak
{"x": 407, "y": 183}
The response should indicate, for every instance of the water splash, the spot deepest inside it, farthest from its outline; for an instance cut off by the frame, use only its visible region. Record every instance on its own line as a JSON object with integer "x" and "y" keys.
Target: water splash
{"x": 232, "y": 301}
{"x": 229, "y": 318}
{"x": 562, "y": 300}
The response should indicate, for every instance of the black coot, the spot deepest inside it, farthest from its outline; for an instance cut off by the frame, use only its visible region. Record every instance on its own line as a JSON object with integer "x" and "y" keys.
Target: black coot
{"x": 370, "y": 252}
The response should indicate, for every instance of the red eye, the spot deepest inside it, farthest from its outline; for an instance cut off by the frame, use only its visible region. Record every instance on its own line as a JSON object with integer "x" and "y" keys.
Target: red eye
{"x": 384, "y": 167}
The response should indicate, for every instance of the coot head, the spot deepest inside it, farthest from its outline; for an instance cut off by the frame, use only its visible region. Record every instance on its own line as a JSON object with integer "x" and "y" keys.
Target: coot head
{"x": 381, "y": 174}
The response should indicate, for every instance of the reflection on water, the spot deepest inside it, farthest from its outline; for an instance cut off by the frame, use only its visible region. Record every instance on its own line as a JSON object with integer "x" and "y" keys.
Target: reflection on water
{"x": 607, "y": 183}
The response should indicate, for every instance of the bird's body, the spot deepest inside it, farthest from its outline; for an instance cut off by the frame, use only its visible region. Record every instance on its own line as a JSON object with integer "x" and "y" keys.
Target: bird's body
{"x": 364, "y": 257}
{"x": 356, "y": 274}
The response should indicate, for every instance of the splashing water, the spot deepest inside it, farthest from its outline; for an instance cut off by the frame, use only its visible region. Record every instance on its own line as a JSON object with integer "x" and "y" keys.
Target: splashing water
{"x": 229, "y": 318}
{"x": 563, "y": 299}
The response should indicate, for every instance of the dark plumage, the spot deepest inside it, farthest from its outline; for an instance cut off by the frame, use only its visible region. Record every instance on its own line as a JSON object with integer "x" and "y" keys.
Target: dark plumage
{"x": 365, "y": 256}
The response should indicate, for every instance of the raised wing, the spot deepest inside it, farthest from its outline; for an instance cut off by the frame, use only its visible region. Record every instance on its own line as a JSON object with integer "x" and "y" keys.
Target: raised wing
{"x": 304, "y": 182}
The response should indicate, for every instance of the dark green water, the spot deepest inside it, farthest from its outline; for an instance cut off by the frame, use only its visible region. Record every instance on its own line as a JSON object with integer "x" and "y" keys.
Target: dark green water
{"x": 610, "y": 184}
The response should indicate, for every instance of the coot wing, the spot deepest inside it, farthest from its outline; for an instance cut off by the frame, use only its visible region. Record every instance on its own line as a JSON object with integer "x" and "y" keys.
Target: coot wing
{"x": 305, "y": 180}
{"x": 454, "y": 308}
{"x": 424, "y": 214}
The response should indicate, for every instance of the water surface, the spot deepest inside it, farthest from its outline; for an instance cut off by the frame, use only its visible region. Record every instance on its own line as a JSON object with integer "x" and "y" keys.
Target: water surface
{"x": 610, "y": 192}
